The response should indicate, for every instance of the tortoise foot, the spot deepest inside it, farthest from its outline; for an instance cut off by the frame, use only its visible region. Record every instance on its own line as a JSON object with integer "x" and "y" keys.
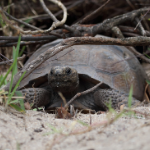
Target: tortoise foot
{"x": 104, "y": 97}
{"x": 37, "y": 97}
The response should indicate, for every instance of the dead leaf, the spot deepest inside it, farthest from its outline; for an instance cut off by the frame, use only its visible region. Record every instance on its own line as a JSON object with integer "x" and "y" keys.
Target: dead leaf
{"x": 63, "y": 113}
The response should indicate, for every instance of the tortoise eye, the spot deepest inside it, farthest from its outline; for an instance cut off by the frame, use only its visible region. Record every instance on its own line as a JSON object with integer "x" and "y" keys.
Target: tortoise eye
{"x": 68, "y": 71}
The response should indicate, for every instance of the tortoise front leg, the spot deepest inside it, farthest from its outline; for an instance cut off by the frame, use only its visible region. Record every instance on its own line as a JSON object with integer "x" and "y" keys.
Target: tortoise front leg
{"x": 37, "y": 97}
{"x": 103, "y": 97}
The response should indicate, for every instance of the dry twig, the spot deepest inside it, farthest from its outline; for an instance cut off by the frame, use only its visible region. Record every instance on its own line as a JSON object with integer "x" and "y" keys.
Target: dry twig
{"x": 92, "y": 30}
{"x": 131, "y": 30}
{"x": 11, "y": 61}
{"x": 139, "y": 25}
{"x": 20, "y": 21}
{"x": 119, "y": 34}
{"x": 44, "y": 16}
{"x": 94, "y": 14}
{"x": 54, "y": 25}
{"x": 108, "y": 24}
{"x": 139, "y": 21}
{"x": 56, "y": 22}
{"x": 83, "y": 93}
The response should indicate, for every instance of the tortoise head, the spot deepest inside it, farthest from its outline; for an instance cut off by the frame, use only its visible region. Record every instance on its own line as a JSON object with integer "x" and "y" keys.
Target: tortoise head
{"x": 63, "y": 78}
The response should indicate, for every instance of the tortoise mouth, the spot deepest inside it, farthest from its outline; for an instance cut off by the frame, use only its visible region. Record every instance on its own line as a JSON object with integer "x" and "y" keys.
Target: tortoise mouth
{"x": 64, "y": 86}
{"x": 61, "y": 83}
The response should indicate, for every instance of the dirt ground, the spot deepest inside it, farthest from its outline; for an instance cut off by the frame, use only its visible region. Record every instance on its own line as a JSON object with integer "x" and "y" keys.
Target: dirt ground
{"x": 42, "y": 131}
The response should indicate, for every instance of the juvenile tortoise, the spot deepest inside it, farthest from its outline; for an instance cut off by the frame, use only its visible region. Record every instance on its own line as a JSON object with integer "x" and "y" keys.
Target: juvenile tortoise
{"x": 80, "y": 67}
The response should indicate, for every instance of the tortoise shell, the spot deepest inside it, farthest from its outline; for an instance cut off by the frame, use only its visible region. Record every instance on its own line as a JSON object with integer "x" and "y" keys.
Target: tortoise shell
{"x": 114, "y": 65}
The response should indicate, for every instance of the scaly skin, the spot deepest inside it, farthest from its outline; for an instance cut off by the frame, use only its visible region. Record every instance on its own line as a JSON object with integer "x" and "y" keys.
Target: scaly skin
{"x": 37, "y": 96}
{"x": 103, "y": 97}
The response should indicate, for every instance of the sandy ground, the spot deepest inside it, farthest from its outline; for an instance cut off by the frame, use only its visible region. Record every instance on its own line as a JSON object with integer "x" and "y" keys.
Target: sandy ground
{"x": 41, "y": 131}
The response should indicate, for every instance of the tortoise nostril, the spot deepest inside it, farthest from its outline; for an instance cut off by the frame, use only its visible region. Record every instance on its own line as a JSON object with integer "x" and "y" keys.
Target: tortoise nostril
{"x": 57, "y": 73}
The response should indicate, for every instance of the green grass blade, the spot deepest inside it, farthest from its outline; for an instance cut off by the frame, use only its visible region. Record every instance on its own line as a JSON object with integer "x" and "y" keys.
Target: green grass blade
{"x": 26, "y": 21}
{"x": 18, "y": 100}
{"x": 18, "y": 46}
{"x": 147, "y": 56}
{"x": 14, "y": 101}
{"x": 17, "y": 49}
{"x": 15, "y": 61}
{"x": 148, "y": 82}
{"x": 17, "y": 108}
{"x": 109, "y": 105}
{"x": 15, "y": 56}
{"x": 15, "y": 70}
{"x": 4, "y": 78}
{"x": 1, "y": 78}
{"x": 54, "y": 129}
{"x": 1, "y": 21}
{"x": 22, "y": 104}
{"x": 15, "y": 87}
{"x": 82, "y": 123}
{"x": 130, "y": 97}
{"x": 8, "y": 10}
{"x": 21, "y": 101}
{"x": 22, "y": 50}
{"x": 18, "y": 146}
{"x": 5, "y": 82}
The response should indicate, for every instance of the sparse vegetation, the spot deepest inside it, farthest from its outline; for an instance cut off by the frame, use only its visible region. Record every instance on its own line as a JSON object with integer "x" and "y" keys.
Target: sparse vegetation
{"x": 7, "y": 97}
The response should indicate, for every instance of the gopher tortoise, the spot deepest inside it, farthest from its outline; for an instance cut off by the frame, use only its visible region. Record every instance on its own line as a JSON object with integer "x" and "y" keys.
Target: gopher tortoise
{"x": 81, "y": 67}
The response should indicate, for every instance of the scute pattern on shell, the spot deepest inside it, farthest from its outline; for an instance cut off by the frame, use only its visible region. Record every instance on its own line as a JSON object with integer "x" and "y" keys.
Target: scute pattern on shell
{"x": 114, "y": 65}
